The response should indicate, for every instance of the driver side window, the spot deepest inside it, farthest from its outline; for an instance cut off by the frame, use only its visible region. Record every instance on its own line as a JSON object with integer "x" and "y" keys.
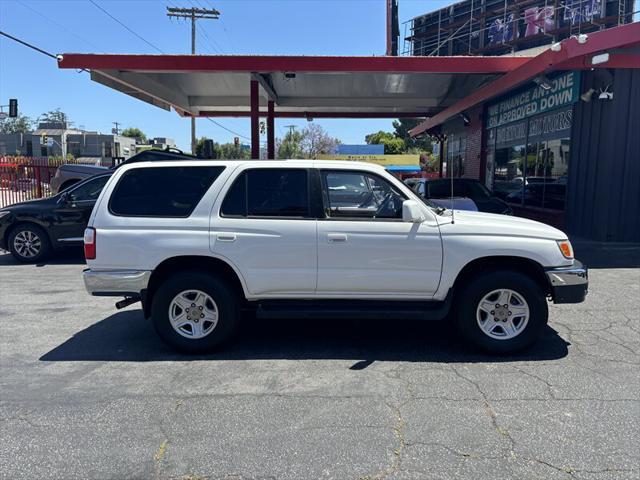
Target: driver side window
{"x": 349, "y": 194}
{"x": 88, "y": 191}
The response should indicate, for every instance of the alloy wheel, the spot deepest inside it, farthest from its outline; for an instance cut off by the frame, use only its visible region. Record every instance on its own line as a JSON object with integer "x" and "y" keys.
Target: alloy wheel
{"x": 193, "y": 314}
{"x": 502, "y": 314}
{"x": 27, "y": 244}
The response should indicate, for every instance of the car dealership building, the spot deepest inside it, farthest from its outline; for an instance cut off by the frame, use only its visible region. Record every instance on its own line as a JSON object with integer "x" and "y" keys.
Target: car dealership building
{"x": 556, "y": 138}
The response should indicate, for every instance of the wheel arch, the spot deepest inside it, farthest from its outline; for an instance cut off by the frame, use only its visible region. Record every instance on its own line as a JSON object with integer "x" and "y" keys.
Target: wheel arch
{"x": 200, "y": 263}
{"x": 524, "y": 265}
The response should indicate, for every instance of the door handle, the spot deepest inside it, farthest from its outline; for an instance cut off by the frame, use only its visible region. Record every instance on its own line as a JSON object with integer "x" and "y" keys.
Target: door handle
{"x": 226, "y": 237}
{"x": 337, "y": 237}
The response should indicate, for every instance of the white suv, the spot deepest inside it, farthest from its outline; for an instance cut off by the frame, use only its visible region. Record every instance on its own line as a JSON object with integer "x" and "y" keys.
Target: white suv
{"x": 199, "y": 241}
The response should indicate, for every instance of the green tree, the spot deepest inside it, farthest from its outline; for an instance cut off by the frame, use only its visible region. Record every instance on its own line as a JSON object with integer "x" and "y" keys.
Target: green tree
{"x": 135, "y": 132}
{"x": 392, "y": 144}
{"x": 291, "y": 145}
{"x": 19, "y": 124}
{"x": 223, "y": 150}
{"x": 56, "y": 115}
{"x": 418, "y": 145}
{"x": 378, "y": 138}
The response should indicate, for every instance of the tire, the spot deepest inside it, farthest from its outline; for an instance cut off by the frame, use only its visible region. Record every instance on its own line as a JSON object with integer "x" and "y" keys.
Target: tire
{"x": 501, "y": 330}
{"x": 196, "y": 335}
{"x": 29, "y": 243}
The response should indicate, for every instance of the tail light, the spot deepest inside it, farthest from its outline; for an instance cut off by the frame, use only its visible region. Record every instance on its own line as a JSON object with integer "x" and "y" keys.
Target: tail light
{"x": 90, "y": 243}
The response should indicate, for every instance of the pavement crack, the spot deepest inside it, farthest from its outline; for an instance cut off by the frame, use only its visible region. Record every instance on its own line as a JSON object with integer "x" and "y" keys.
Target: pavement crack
{"x": 491, "y": 413}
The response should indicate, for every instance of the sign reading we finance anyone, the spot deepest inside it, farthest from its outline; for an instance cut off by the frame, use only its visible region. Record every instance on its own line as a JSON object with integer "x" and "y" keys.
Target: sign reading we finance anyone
{"x": 565, "y": 90}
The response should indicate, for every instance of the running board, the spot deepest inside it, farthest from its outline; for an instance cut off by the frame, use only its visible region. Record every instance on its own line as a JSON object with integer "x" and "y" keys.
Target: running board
{"x": 358, "y": 309}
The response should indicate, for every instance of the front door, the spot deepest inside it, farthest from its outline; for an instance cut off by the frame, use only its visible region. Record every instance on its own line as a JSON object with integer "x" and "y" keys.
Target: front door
{"x": 265, "y": 228}
{"x": 364, "y": 247}
{"x": 74, "y": 209}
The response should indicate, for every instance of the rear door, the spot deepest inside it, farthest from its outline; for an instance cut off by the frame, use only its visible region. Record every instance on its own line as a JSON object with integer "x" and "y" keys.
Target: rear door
{"x": 264, "y": 225}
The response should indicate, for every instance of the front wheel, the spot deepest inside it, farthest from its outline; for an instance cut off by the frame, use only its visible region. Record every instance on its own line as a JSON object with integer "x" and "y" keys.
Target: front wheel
{"x": 195, "y": 312}
{"x": 29, "y": 243}
{"x": 502, "y": 311}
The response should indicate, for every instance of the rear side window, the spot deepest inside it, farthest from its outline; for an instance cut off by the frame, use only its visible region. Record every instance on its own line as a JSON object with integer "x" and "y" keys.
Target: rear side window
{"x": 266, "y": 192}
{"x": 161, "y": 191}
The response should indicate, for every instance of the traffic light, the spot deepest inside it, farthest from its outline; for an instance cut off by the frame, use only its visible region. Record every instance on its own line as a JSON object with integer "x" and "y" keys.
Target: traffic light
{"x": 236, "y": 141}
{"x": 13, "y": 107}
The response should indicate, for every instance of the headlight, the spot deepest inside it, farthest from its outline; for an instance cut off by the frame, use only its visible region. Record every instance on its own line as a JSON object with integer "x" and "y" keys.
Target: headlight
{"x": 566, "y": 249}
{"x": 4, "y": 213}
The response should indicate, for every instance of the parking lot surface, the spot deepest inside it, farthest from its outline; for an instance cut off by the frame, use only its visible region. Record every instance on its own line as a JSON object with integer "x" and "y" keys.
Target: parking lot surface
{"x": 90, "y": 392}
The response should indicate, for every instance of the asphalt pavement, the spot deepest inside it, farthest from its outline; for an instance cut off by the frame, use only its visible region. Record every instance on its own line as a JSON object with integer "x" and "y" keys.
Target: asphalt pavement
{"x": 88, "y": 392}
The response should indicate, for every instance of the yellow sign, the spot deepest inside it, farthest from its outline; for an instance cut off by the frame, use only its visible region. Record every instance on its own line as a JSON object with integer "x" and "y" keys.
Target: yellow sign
{"x": 385, "y": 160}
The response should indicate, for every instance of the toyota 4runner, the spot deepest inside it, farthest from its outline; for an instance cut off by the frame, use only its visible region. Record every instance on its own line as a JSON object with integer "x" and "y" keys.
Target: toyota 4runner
{"x": 197, "y": 242}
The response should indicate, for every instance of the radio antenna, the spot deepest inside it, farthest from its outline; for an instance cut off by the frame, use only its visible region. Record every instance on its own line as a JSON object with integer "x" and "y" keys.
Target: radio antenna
{"x": 452, "y": 210}
{"x": 453, "y": 220}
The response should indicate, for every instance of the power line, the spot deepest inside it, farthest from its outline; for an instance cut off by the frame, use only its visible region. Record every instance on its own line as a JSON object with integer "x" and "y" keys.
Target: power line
{"x": 44, "y": 52}
{"x": 227, "y": 129}
{"x": 127, "y": 28}
{"x": 214, "y": 49}
{"x": 60, "y": 25}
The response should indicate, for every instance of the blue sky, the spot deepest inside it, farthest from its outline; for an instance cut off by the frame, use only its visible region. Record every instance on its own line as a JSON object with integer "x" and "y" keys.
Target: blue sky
{"x": 282, "y": 27}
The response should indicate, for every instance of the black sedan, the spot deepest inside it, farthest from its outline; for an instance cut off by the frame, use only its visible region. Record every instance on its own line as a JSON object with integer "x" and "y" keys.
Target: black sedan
{"x": 32, "y": 230}
{"x": 480, "y": 195}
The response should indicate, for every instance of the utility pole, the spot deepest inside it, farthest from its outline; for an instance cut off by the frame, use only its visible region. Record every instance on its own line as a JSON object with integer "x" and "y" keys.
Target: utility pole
{"x": 193, "y": 14}
{"x": 116, "y": 130}
{"x": 291, "y": 128}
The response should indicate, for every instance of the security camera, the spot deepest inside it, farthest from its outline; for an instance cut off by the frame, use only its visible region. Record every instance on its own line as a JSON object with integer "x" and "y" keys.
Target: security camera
{"x": 582, "y": 38}
{"x": 605, "y": 94}
{"x": 289, "y": 75}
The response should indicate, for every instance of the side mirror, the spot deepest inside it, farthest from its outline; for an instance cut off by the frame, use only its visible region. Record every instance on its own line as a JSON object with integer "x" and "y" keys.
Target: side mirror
{"x": 412, "y": 212}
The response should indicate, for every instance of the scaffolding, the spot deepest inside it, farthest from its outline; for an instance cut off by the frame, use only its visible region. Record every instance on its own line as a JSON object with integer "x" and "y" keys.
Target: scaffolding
{"x": 499, "y": 27}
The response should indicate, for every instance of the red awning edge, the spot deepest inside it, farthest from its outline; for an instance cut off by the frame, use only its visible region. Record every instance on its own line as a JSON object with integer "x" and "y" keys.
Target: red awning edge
{"x": 572, "y": 55}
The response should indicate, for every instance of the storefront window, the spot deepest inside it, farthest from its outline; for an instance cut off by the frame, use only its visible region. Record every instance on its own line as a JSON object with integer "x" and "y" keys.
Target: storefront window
{"x": 530, "y": 160}
{"x": 509, "y": 161}
{"x": 546, "y": 176}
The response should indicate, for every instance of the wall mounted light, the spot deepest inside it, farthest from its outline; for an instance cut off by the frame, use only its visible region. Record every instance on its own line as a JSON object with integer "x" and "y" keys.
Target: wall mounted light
{"x": 601, "y": 58}
{"x": 465, "y": 119}
{"x": 586, "y": 96}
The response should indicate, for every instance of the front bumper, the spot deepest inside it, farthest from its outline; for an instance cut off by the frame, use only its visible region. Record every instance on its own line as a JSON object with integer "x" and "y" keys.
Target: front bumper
{"x": 569, "y": 284}
{"x": 115, "y": 283}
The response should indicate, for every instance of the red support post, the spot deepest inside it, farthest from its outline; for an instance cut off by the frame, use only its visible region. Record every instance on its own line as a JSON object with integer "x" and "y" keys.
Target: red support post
{"x": 255, "y": 121}
{"x": 271, "y": 134}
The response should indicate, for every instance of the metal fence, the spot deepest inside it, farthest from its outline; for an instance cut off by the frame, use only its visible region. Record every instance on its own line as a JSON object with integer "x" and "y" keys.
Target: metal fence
{"x": 26, "y": 178}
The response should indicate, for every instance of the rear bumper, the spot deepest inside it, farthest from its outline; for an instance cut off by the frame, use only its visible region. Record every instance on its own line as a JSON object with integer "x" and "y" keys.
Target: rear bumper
{"x": 569, "y": 284}
{"x": 115, "y": 283}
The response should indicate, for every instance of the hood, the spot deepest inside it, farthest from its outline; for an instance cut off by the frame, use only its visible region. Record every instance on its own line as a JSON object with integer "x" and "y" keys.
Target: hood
{"x": 87, "y": 169}
{"x": 480, "y": 223}
{"x": 37, "y": 203}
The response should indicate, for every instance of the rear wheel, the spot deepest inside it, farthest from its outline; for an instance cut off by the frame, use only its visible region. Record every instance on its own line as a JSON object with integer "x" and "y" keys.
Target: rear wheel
{"x": 195, "y": 312}
{"x": 502, "y": 311}
{"x": 29, "y": 243}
